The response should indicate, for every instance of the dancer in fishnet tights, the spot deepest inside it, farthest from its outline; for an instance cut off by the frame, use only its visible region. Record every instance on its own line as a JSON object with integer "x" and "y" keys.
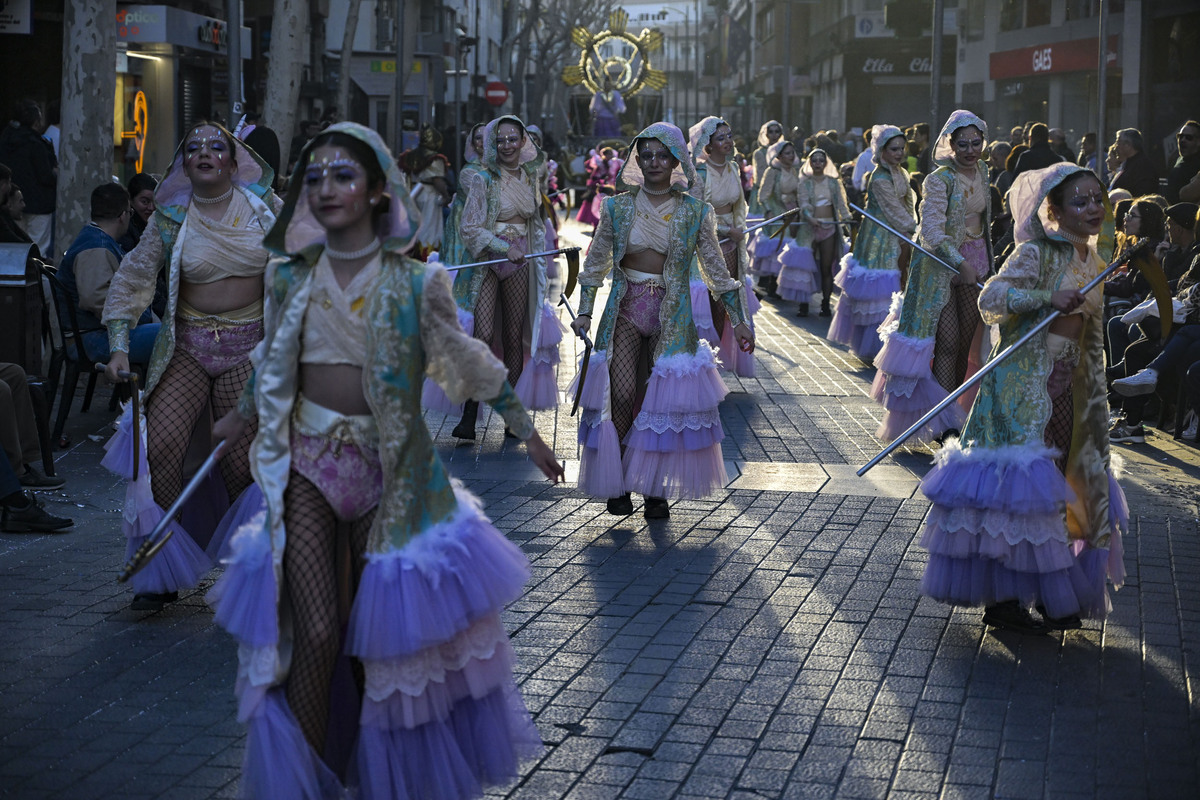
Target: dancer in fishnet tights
{"x": 955, "y": 331}
{"x": 513, "y": 294}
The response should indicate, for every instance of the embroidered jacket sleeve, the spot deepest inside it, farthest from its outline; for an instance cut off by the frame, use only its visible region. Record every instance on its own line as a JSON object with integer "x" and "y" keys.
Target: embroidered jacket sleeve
{"x": 482, "y": 242}
{"x": 599, "y": 260}
{"x": 713, "y": 270}
{"x": 274, "y": 292}
{"x": 935, "y": 200}
{"x": 462, "y": 365}
{"x": 132, "y": 287}
{"x": 896, "y": 212}
{"x": 1014, "y": 288}
{"x": 804, "y": 194}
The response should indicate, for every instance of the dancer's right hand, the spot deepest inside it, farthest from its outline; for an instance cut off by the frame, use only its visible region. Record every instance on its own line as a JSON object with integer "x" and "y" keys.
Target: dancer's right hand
{"x": 118, "y": 362}
{"x": 581, "y": 323}
{"x": 1067, "y": 300}
{"x": 230, "y": 427}
{"x": 541, "y": 455}
{"x": 966, "y": 275}
{"x": 516, "y": 255}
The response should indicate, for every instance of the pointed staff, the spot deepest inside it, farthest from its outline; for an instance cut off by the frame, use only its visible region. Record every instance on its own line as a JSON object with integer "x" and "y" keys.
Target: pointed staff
{"x": 995, "y": 362}
{"x": 502, "y": 260}
{"x": 907, "y": 240}
{"x": 765, "y": 223}
{"x": 163, "y": 531}
{"x": 587, "y": 354}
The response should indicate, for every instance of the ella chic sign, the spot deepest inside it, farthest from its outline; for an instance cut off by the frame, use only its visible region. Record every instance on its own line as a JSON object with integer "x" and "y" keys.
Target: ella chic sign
{"x": 1080, "y": 55}
{"x": 917, "y": 65}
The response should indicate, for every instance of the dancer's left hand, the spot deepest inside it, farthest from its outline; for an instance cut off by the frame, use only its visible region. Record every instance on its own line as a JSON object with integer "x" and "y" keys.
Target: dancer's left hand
{"x": 541, "y": 455}
{"x": 745, "y": 337}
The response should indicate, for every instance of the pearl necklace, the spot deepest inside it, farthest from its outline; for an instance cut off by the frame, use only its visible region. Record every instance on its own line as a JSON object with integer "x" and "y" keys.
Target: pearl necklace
{"x": 1071, "y": 237}
{"x": 351, "y": 255}
{"x": 656, "y": 192}
{"x": 212, "y": 201}
{"x": 715, "y": 164}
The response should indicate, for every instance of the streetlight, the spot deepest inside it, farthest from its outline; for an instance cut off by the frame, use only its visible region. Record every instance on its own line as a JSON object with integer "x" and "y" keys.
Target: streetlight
{"x": 687, "y": 35}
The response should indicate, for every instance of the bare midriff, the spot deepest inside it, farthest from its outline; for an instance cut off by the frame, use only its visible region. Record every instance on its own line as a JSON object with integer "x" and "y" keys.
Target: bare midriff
{"x": 511, "y": 221}
{"x": 974, "y": 223}
{"x": 1069, "y": 325}
{"x": 223, "y": 296}
{"x": 646, "y": 261}
{"x": 338, "y": 387}
{"x": 725, "y": 209}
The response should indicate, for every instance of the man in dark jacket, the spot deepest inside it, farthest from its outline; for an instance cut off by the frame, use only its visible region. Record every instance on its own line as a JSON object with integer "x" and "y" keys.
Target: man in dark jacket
{"x": 1039, "y": 155}
{"x": 1137, "y": 174}
{"x": 1188, "y": 163}
{"x": 34, "y": 169}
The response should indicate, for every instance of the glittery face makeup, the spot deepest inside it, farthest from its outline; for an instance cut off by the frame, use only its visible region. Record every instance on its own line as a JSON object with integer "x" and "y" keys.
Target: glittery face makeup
{"x": 1082, "y": 211}
{"x": 207, "y": 154}
{"x": 336, "y": 188}
{"x": 721, "y": 143}
{"x": 968, "y": 145}
{"x": 817, "y": 162}
{"x": 509, "y": 140}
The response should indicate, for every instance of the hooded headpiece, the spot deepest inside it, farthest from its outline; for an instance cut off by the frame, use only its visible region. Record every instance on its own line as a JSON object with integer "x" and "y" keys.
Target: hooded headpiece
{"x": 701, "y": 134}
{"x": 296, "y": 228}
{"x": 880, "y": 136}
{"x": 684, "y": 176}
{"x": 763, "y": 141}
{"x": 830, "y": 170}
{"x": 943, "y": 149}
{"x": 1031, "y": 211}
{"x": 175, "y": 189}
{"x": 529, "y": 151}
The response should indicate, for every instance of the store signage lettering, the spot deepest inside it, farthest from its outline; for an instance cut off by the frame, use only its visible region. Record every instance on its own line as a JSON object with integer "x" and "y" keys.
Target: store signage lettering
{"x": 1079, "y": 55}
{"x": 1043, "y": 59}
{"x": 214, "y": 33}
{"x": 881, "y": 66}
{"x": 129, "y": 22}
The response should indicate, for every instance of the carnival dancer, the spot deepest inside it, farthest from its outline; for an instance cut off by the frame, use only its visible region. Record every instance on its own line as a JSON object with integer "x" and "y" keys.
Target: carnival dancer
{"x": 426, "y": 168}
{"x": 719, "y": 183}
{"x": 776, "y": 246}
{"x": 212, "y": 208}
{"x": 927, "y": 352}
{"x": 659, "y": 436}
{"x": 822, "y": 207}
{"x": 506, "y": 303}
{"x": 1026, "y": 512}
{"x": 453, "y": 250}
{"x": 874, "y": 271}
{"x": 770, "y": 133}
{"x": 341, "y": 451}
{"x": 603, "y": 168}
{"x": 550, "y": 215}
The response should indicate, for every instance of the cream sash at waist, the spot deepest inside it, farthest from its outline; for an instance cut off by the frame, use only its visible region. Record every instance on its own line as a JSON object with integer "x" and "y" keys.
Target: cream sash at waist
{"x": 312, "y": 419}
{"x": 1062, "y": 347}
{"x": 974, "y": 223}
{"x": 247, "y": 313}
{"x": 636, "y": 276}
{"x": 510, "y": 228}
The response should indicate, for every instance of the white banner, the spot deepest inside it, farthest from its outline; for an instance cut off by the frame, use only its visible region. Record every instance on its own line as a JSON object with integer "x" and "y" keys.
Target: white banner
{"x": 16, "y": 16}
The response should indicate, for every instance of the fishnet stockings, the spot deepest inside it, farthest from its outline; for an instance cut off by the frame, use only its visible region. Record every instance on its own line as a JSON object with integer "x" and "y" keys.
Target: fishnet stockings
{"x": 320, "y": 595}
{"x": 630, "y": 361}
{"x": 826, "y": 253}
{"x": 509, "y": 299}
{"x": 1061, "y": 426}
{"x": 171, "y": 415}
{"x": 717, "y": 308}
{"x": 955, "y": 330}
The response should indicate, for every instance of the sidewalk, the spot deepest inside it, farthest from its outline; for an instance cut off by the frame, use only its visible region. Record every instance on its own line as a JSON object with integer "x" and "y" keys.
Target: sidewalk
{"x": 769, "y": 642}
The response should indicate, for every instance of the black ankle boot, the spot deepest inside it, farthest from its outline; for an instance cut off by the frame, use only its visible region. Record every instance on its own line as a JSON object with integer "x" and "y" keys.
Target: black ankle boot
{"x": 620, "y": 506}
{"x": 825, "y": 310}
{"x": 1012, "y": 616}
{"x": 465, "y": 429}
{"x": 656, "y": 508}
{"x": 802, "y": 311}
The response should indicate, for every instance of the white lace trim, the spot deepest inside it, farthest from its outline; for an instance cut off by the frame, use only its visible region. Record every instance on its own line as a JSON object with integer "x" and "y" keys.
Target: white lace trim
{"x": 662, "y": 421}
{"x": 1037, "y": 529}
{"x": 412, "y": 674}
{"x": 260, "y": 666}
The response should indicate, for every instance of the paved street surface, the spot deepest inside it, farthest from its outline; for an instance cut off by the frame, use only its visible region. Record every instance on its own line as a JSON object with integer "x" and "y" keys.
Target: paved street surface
{"x": 768, "y": 642}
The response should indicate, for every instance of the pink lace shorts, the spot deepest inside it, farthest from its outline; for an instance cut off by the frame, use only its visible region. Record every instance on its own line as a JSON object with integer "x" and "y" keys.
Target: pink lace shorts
{"x": 640, "y": 306}
{"x": 512, "y": 234}
{"x": 217, "y": 345}
{"x": 975, "y": 253}
{"x": 338, "y": 455}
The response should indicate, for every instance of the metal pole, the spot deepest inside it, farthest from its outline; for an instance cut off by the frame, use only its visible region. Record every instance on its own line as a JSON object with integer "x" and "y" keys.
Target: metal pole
{"x": 398, "y": 114}
{"x": 786, "y": 90}
{"x": 696, "y": 65}
{"x": 233, "y": 13}
{"x": 1102, "y": 90}
{"x": 935, "y": 61}
{"x": 690, "y": 112}
{"x": 986, "y": 368}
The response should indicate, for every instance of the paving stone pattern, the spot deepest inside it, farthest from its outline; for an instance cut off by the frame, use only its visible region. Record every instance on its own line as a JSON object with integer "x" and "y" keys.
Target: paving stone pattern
{"x": 768, "y": 642}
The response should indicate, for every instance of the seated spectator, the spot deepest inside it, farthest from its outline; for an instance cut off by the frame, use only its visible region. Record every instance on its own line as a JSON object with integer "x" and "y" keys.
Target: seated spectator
{"x": 87, "y": 270}
{"x": 12, "y": 230}
{"x": 1039, "y": 155}
{"x": 1058, "y": 143}
{"x": 1144, "y": 221}
{"x": 1182, "y": 247}
{"x": 20, "y": 511}
{"x": 141, "y": 189}
{"x": 1137, "y": 173}
{"x": 18, "y": 429}
{"x": 1187, "y": 165}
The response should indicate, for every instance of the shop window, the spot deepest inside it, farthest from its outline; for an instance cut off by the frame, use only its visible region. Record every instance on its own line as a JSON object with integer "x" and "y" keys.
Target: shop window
{"x": 1037, "y": 12}
{"x": 1012, "y": 15}
{"x": 1176, "y": 40}
{"x": 1082, "y": 9}
{"x": 971, "y": 17}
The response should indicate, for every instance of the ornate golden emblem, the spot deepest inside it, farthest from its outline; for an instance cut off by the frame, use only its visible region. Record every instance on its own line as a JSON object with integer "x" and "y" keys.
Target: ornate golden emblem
{"x": 627, "y": 67}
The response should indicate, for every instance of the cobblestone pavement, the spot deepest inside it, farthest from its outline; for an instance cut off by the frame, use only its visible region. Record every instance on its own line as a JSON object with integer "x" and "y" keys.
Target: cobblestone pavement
{"x": 768, "y": 642}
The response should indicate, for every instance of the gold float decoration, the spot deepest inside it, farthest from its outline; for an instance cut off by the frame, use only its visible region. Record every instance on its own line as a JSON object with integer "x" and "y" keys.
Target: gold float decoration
{"x": 626, "y": 74}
